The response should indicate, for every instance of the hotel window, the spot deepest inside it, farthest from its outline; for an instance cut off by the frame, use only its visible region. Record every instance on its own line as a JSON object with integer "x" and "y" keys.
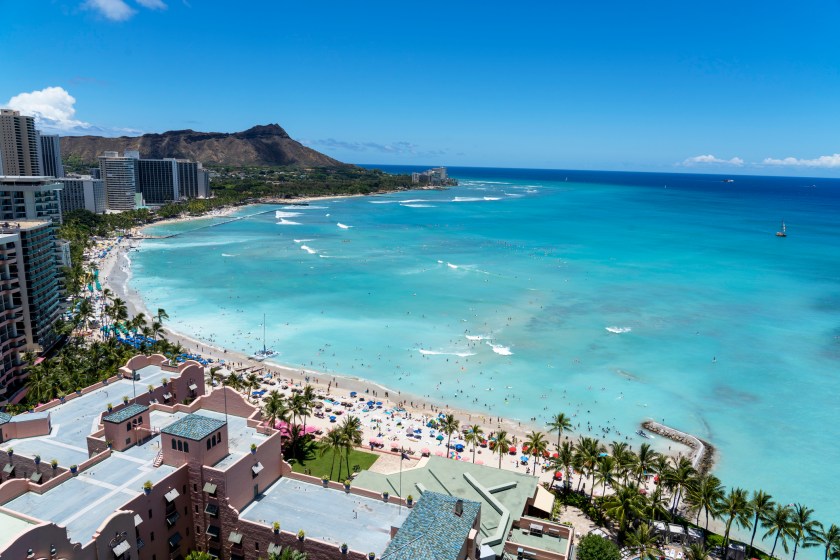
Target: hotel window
{"x": 180, "y": 445}
{"x": 173, "y": 444}
{"x": 208, "y": 444}
{"x": 186, "y": 450}
{"x": 128, "y": 427}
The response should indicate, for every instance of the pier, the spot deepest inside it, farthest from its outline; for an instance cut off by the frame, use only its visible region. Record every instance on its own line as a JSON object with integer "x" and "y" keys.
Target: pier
{"x": 702, "y": 452}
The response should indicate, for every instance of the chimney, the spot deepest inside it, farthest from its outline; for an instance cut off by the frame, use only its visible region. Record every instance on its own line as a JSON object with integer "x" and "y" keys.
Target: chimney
{"x": 459, "y": 508}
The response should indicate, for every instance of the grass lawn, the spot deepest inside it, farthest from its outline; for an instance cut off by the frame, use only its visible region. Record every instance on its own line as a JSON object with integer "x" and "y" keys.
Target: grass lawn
{"x": 320, "y": 466}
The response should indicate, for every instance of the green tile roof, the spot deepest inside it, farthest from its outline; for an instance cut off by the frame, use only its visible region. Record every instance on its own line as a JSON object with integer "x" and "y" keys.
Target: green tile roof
{"x": 193, "y": 426}
{"x": 125, "y": 413}
{"x": 432, "y": 530}
{"x": 4, "y": 417}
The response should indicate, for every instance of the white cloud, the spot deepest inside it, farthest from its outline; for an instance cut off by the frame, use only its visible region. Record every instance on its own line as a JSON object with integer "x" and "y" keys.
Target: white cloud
{"x": 828, "y": 162}
{"x": 709, "y": 158}
{"x": 55, "y": 112}
{"x": 120, "y": 10}
{"x": 115, "y": 10}
{"x": 152, "y": 4}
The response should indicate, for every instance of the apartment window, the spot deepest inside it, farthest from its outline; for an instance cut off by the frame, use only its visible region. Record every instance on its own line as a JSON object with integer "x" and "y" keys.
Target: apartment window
{"x": 128, "y": 427}
{"x": 180, "y": 446}
{"x": 195, "y": 487}
{"x": 173, "y": 445}
{"x": 186, "y": 450}
{"x": 152, "y": 536}
{"x": 256, "y": 546}
{"x": 150, "y": 514}
{"x": 208, "y": 444}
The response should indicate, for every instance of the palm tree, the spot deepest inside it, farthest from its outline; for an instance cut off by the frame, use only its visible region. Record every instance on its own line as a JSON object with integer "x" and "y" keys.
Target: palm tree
{"x": 624, "y": 459}
{"x": 559, "y": 423}
{"x": 565, "y": 458}
{"x": 351, "y": 427}
{"x": 588, "y": 451}
{"x": 802, "y": 528}
{"x": 704, "y": 494}
{"x": 251, "y": 382}
{"x": 829, "y": 538}
{"x": 657, "y": 504}
{"x": 538, "y": 446}
{"x": 275, "y": 407}
{"x": 198, "y": 555}
{"x": 761, "y": 505}
{"x": 778, "y": 523}
{"x": 307, "y": 398}
{"x": 680, "y": 477}
{"x": 333, "y": 441}
{"x": 475, "y": 435}
{"x": 605, "y": 474}
{"x": 734, "y": 507}
{"x": 502, "y": 445}
{"x": 645, "y": 461}
{"x": 449, "y": 425}
{"x": 161, "y": 315}
{"x": 287, "y": 553}
{"x": 643, "y": 542}
{"x": 697, "y": 551}
{"x": 624, "y": 505}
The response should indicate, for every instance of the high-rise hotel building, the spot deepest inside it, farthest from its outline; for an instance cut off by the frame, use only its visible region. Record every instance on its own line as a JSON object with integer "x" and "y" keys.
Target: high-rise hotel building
{"x": 119, "y": 175}
{"x": 20, "y": 152}
{"x": 50, "y": 147}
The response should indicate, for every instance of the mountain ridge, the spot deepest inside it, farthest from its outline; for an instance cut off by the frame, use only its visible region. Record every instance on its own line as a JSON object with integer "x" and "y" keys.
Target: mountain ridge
{"x": 261, "y": 145}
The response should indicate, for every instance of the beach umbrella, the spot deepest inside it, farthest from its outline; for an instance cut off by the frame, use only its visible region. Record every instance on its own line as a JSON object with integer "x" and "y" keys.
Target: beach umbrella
{"x": 524, "y": 458}
{"x": 459, "y": 447}
{"x": 555, "y": 455}
{"x": 439, "y": 437}
{"x": 512, "y": 450}
{"x": 425, "y": 452}
{"x": 558, "y": 475}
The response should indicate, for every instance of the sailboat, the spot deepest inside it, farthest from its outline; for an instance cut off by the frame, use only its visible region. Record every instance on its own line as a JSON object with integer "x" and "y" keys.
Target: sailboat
{"x": 261, "y": 355}
{"x": 783, "y": 232}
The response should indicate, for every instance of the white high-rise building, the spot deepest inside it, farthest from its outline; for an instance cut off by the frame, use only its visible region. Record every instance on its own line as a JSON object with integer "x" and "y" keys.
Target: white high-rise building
{"x": 119, "y": 175}
{"x": 82, "y": 193}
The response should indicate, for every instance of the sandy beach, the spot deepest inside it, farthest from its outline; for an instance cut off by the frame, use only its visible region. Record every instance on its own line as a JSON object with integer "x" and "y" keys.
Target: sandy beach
{"x": 393, "y": 424}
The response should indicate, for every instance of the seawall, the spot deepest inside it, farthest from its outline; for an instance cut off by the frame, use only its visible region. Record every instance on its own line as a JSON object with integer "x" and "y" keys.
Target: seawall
{"x": 702, "y": 454}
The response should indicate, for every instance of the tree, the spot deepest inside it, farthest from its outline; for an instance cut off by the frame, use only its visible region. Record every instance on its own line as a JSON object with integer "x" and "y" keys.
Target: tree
{"x": 449, "y": 425}
{"x": 643, "y": 541}
{"x": 605, "y": 474}
{"x": 679, "y": 478}
{"x": 275, "y": 408}
{"x": 761, "y": 505}
{"x": 307, "y": 398}
{"x": 588, "y": 452}
{"x": 565, "y": 458}
{"x": 657, "y": 504}
{"x": 475, "y": 435}
{"x": 351, "y": 427}
{"x": 645, "y": 461}
{"x": 595, "y": 547}
{"x": 697, "y": 551}
{"x": 734, "y": 507}
{"x": 703, "y": 495}
{"x": 802, "y": 528}
{"x": 624, "y": 505}
{"x": 333, "y": 441}
{"x": 161, "y": 315}
{"x": 829, "y": 538}
{"x": 559, "y": 423}
{"x": 198, "y": 555}
{"x": 502, "y": 445}
{"x": 778, "y": 524}
{"x": 537, "y": 445}
{"x": 287, "y": 553}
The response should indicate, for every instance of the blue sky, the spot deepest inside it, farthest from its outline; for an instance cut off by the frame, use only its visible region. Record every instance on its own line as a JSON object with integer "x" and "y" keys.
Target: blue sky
{"x": 734, "y": 87}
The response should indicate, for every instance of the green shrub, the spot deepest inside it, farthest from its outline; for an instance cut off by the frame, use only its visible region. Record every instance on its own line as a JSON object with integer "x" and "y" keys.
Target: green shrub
{"x": 594, "y": 547}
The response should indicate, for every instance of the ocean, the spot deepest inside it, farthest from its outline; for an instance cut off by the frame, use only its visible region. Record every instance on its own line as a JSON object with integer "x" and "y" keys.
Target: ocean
{"x": 613, "y": 297}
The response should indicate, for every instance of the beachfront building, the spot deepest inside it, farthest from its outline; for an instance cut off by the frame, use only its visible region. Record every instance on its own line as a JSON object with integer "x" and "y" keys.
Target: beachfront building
{"x": 436, "y": 176}
{"x": 37, "y": 273}
{"x": 157, "y": 180}
{"x": 12, "y": 337}
{"x": 50, "y": 147}
{"x": 119, "y": 175}
{"x": 82, "y": 193}
{"x": 30, "y": 198}
{"x": 193, "y": 179}
{"x": 20, "y": 152}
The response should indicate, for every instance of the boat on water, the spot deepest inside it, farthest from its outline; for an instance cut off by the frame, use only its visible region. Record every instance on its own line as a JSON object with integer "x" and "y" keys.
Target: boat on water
{"x": 644, "y": 434}
{"x": 265, "y": 353}
{"x": 729, "y": 180}
{"x": 783, "y": 231}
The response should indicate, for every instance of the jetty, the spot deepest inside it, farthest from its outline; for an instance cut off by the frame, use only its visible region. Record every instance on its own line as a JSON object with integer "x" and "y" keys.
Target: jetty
{"x": 702, "y": 452}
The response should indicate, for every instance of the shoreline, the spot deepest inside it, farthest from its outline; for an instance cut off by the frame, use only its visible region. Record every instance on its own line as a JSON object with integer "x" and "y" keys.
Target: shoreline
{"x": 117, "y": 277}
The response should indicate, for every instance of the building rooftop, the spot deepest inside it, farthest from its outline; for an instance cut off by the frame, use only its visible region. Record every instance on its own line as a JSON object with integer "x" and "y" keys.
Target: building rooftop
{"x": 194, "y": 426}
{"x": 433, "y": 530}
{"x": 327, "y": 514}
{"x": 11, "y": 527}
{"x": 124, "y": 414}
{"x": 4, "y": 417}
{"x": 502, "y": 493}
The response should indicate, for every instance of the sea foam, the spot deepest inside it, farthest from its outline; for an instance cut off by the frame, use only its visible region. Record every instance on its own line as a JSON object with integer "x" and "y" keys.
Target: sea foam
{"x": 618, "y": 330}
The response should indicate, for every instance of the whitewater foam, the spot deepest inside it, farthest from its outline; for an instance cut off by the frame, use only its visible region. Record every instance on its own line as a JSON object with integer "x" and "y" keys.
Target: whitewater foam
{"x": 285, "y": 222}
{"x": 309, "y": 250}
{"x": 479, "y": 337}
{"x": 437, "y": 353}
{"x": 342, "y": 226}
{"x": 499, "y": 349}
{"x": 279, "y": 214}
{"x": 618, "y": 330}
{"x": 302, "y": 240}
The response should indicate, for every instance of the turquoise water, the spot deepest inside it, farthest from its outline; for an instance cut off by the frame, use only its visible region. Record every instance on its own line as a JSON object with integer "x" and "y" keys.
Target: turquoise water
{"x": 614, "y": 297}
